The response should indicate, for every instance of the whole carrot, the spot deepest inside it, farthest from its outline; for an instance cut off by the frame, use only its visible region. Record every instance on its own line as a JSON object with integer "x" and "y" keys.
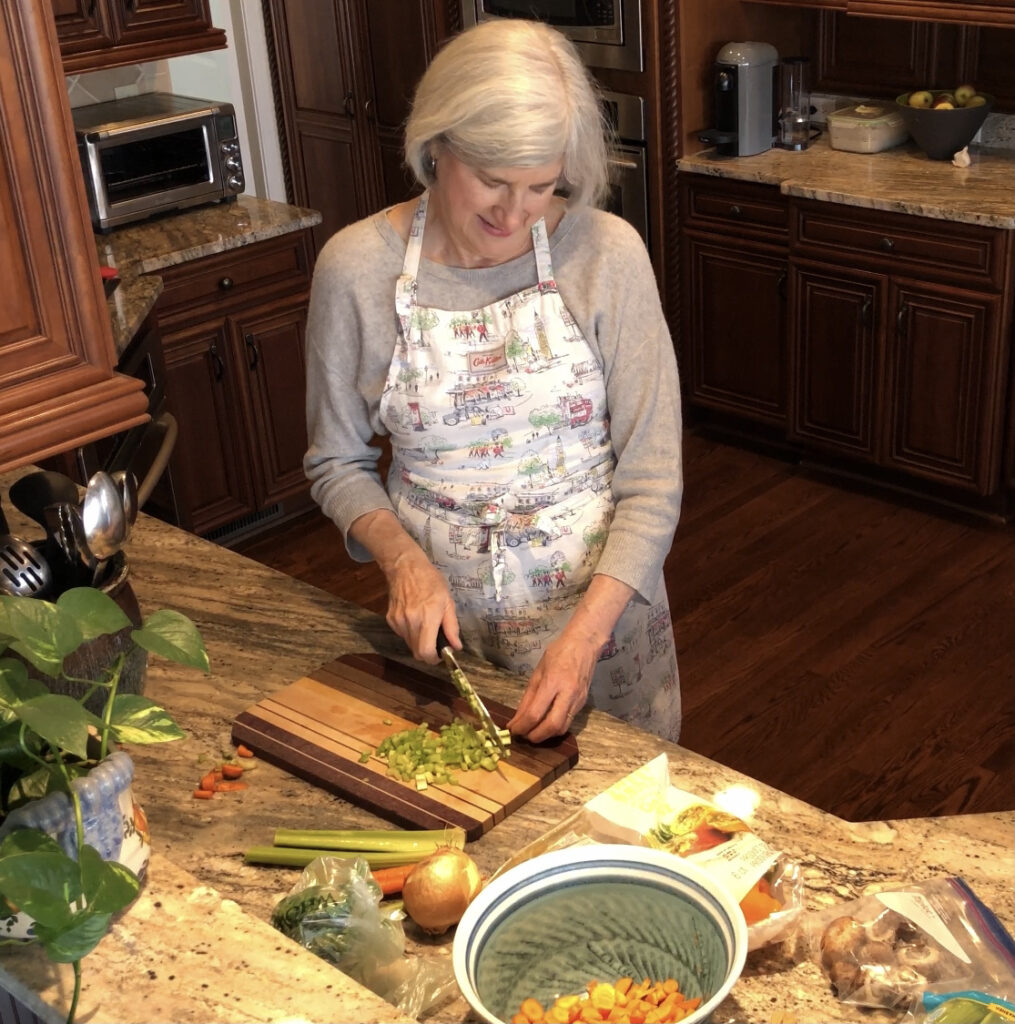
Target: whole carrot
{"x": 391, "y": 880}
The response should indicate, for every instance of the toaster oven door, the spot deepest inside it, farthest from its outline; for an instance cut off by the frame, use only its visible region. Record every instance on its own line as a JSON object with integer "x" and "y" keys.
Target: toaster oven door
{"x": 138, "y": 172}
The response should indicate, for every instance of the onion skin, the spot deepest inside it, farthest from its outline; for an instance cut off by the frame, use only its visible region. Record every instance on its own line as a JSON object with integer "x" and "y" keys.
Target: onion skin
{"x": 439, "y": 888}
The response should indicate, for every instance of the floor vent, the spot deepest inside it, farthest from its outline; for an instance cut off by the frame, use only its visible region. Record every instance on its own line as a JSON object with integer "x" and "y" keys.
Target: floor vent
{"x": 238, "y": 528}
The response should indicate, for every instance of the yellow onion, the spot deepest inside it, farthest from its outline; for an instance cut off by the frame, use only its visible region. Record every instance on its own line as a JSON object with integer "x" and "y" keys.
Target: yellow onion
{"x": 439, "y": 888}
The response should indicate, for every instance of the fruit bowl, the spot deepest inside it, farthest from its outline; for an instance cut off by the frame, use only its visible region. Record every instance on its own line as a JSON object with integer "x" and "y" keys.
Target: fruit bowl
{"x": 942, "y": 132}
{"x": 548, "y": 926}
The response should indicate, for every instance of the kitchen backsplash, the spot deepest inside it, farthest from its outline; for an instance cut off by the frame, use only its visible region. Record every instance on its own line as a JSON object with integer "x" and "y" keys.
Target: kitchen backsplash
{"x": 114, "y": 83}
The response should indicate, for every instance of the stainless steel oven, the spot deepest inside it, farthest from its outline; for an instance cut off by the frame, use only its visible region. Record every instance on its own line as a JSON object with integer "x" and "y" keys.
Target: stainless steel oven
{"x": 628, "y": 173}
{"x": 607, "y": 33}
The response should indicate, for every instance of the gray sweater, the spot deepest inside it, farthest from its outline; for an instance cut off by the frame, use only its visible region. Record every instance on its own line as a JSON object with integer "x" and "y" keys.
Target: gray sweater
{"x": 606, "y": 281}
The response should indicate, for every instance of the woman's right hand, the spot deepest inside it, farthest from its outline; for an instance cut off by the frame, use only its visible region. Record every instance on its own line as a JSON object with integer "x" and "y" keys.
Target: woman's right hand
{"x": 419, "y": 599}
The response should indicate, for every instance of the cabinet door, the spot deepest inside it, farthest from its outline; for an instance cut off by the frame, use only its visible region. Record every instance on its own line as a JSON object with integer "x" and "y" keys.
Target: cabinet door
{"x": 735, "y": 334}
{"x": 204, "y": 392}
{"x": 148, "y": 19}
{"x": 82, "y": 25}
{"x": 322, "y": 113}
{"x": 946, "y": 384}
{"x": 57, "y": 386}
{"x": 272, "y": 345}
{"x": 835, "y": 365}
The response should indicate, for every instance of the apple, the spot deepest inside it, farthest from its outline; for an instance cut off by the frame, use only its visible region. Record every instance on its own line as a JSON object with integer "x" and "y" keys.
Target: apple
{"x": 945, "y": 97}
{"x": 944, "y": 104}
{"x": 963, "y": 94}
{"x": 976, "y": 101}
{"x": 922, "y": 98}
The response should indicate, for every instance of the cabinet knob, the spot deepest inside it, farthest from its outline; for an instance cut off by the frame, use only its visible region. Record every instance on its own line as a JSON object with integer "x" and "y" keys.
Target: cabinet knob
{"x": 887, "y": 244}
{"x": 218, "y": 367}
{"x": 735, "y": 211}
{"x": 226, "y": 283}
{"x": 349, "y": 104}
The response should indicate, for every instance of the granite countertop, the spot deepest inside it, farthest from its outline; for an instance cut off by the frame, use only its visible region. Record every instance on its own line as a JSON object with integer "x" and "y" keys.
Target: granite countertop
{"x": 197, "y": 946}
{"x": 899, "y": 180}
{"x": 138, "y": 251}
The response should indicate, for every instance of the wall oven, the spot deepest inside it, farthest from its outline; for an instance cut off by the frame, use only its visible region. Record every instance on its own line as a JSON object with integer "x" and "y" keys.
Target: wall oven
{"x": 628, "y": 174}
{"x": 607, "y": 33}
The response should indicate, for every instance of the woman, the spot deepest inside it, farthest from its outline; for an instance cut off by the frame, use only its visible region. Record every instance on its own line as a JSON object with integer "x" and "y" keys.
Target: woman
{"x": 512, "y": 344}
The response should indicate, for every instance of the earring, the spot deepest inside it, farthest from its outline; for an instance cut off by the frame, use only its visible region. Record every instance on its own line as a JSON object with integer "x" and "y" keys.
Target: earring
{"x": 430, "y": 165}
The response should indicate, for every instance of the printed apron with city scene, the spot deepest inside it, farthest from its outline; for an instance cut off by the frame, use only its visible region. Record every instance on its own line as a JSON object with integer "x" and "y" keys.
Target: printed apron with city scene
{"x": 501, "y": 471}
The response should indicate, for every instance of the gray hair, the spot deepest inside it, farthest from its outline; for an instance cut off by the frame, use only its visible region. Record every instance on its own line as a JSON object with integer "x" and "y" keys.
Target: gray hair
{"x": 512, "y": 93}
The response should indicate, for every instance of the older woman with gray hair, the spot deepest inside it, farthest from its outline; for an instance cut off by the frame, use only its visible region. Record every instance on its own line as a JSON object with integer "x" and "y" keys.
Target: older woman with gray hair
{"x": 508, "y": 337}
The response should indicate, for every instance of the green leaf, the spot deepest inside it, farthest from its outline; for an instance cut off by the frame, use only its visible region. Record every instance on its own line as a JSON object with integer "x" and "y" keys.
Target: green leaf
{"x": 136, "y": 719}
{"x": 108, "y": 885}
{"x": 60, "y": 720}
{"x": 95, "y": 612}
{"x": 15, "y": 683}
{"x": 34, "y": 785}
{"x": 172, "y": 635}
{"x": 40, "y": 632}
{"x": 38, "y": 877}
{"x": 76, "y": 939}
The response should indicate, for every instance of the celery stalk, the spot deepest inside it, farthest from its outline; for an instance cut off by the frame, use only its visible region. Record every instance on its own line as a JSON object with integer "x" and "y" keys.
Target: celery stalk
{"x": 372, "y": 840}
{"x": 299, "y": 857}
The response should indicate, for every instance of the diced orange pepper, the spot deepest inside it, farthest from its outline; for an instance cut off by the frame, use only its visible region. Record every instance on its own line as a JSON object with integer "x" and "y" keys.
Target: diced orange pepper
{"x": 603, "y": 996}
{"x": 623, "y": 986}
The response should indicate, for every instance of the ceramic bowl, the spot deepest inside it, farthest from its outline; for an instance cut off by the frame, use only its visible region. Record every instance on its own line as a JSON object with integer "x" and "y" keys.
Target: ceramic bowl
{"x": 942, "y": 133}
{"x": 550, "y": 925}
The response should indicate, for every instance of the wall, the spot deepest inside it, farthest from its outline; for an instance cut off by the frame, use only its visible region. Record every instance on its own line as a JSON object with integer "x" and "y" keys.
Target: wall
{"x": 238, "y": 75}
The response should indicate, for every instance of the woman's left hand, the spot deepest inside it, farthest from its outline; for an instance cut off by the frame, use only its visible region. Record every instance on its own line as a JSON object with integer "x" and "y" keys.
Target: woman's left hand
{"x": 557, "y": 690}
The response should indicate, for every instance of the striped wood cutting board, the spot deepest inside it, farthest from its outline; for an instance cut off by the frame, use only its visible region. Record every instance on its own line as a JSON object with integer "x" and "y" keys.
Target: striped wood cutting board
{"x": 318, "y": 726}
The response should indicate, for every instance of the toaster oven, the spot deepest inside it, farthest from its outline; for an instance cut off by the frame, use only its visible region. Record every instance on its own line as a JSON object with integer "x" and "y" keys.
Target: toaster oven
{"x": 154, "y": 153}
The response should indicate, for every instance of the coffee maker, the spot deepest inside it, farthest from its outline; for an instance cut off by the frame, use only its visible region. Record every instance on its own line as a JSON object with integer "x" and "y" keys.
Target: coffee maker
{"x": 745, "y": 77}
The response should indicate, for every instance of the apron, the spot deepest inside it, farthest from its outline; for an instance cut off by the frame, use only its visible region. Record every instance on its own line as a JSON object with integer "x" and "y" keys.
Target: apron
{"x": 501, "y": 471}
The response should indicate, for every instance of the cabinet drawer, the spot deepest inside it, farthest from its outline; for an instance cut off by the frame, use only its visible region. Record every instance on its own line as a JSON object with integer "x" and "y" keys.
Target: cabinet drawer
{"x": 738, "y": 207}
{"x": 261, "y": 270}
{"x": 939, "y": 250}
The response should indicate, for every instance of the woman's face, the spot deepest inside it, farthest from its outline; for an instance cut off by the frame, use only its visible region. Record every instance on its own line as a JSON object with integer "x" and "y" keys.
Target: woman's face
{"x": 485, "y": 214}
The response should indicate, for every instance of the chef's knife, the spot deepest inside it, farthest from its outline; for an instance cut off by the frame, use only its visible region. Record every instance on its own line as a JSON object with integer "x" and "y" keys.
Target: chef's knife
{"x": 466, "y": 689}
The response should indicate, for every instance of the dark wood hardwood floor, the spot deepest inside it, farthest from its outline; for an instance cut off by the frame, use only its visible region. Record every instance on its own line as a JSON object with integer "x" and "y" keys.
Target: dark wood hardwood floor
{"x": 847, "y": 649}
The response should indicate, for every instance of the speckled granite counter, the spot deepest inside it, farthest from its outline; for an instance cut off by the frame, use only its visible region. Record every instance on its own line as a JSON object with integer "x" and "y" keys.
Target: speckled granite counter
{"x": 219, "y": 961}
{"x": 900, "y": 180}
{"x": 141, "y": 249}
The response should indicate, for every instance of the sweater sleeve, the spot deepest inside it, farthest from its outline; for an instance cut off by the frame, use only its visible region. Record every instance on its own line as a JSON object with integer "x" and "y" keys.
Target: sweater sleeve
{"x": 643, "y": 395}
{"x": 349, "y": 348}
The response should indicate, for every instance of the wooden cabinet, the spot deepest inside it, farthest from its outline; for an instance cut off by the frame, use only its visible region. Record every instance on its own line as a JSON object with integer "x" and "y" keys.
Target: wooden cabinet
{"x": 887, "y": 354}
{"x": 990, "y": 13}
{"x": 903, "y": 363}
{"x": 734, "y": 244}
{"x": 233, "y": 335}
{"x": 106, "y": 33}
{"x": 347, "y": 71}
{"x": 57, "y": 385}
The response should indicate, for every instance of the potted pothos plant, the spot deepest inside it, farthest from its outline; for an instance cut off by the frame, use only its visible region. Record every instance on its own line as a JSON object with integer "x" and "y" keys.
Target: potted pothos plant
{"x": 73, "y": 846}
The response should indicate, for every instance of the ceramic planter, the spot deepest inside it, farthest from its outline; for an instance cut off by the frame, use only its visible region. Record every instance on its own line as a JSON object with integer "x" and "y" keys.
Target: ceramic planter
{"x": 113, "y": 823}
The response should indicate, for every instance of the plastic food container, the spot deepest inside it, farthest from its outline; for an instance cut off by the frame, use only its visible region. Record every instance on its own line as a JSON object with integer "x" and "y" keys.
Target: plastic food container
{"x": 867, "y": 127}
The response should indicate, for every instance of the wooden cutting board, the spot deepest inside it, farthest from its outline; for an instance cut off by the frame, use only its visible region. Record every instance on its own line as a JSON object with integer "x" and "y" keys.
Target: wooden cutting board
{"x": 319, "y": 726}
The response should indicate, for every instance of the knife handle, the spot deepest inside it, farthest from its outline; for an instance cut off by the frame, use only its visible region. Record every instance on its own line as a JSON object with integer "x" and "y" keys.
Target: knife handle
{"x": 442, "y": 640}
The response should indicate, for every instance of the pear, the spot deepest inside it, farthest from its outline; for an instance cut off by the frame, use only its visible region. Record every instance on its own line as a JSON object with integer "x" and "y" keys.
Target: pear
{"x": 922, "y": 98}
{"x": 963, "y": 94}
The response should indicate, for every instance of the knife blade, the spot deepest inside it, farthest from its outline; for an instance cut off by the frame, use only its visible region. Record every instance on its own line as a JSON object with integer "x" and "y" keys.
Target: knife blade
{"x": 466, "y": 689}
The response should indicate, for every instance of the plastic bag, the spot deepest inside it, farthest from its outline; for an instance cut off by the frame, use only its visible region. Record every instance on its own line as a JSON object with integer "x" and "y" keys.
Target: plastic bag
{"x": 643, "y": 809}
{"x": 334, "y": 910}
{"x": 900, "y": 947}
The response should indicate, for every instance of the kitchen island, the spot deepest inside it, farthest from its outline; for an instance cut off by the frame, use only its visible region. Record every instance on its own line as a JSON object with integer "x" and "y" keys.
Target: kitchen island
{"x": 196, "y": 945}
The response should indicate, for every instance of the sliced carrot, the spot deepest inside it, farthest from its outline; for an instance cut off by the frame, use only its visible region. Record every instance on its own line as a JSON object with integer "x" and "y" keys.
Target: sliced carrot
{"x": 231, "y": 771}
{"x": 532, "y": 1009}
{"x": 203, "y": 794}
{"x": 229, "y": 786}
{"x": 243, "y": 751}
{"x": 208, "y": 781}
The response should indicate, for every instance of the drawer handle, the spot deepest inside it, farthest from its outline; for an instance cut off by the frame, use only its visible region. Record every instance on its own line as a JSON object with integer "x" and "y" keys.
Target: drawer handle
{"x": 226, "y": 283}
{"x": 887, "y": 244}
{"x": 218, "y": 367}
{"x": 735, "y": 211}
{"x": 349, "y": 104}
{"x": 252, "y": 353}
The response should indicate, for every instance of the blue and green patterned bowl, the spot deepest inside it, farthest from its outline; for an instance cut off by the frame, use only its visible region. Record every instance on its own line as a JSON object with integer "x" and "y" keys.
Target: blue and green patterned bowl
{"x": 550, "y": 925}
